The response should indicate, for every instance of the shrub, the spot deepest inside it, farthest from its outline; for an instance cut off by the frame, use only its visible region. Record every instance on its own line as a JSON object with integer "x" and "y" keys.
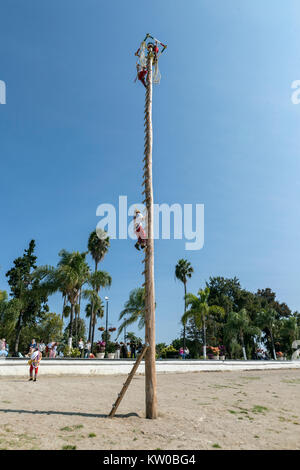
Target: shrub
{"x": 110, "y": 347}
{"x": 71, "y": 352}
{"x": 169, "y": 352}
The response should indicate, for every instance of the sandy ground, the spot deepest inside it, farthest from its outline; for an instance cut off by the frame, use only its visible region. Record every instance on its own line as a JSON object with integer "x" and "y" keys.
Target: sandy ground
{"x": 202, "y": 410}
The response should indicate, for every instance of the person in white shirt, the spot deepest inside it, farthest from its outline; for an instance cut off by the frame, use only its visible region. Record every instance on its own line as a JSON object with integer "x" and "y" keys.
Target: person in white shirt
{"x": 87, "y": 349}
{"x": 42, "y": 346}
{"x": 186, "y": 351}
{"x": 139, "y": 230}
{"x": 81, "y": 346}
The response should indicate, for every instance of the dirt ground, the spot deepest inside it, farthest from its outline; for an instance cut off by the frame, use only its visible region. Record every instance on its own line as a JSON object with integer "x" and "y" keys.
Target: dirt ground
{"x": 202, "y": 410}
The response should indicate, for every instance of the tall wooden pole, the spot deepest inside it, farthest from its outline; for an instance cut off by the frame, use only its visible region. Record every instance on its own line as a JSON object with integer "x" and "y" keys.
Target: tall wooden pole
{"x": 150, "y": 372}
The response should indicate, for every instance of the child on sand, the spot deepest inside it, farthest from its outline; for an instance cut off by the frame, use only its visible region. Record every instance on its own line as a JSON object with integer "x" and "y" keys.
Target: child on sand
{"x": 34, "y": 363}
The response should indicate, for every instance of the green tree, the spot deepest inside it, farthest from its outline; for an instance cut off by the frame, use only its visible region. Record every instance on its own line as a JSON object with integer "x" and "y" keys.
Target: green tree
{"x": 134, "y": 310}
{"x": 238, "y": 326}
{"x": 98, "y": 244}
{"x": 9, "y": 314}
{"x": 183, "y": 272}
{"x": 224, "y": 292}
{"x": 266, "y": 320}
{"x": 200, "y": 310}
{"x": 98, "y": 280}
{"x": 194, "y": 339}
{"x": 80, "y": 333}
{"x": 71, "y": 273}
{"x": 98, "y": 311}
{"x": 289, "y": 332}
{"x": 130, "y": 336}
{"x": 50, "y": 328}
{"x": 159, "y": 347}
{"x": 268, "y": 300}
{"x": 32, "y": 299}
{"x": 3, "y": 296}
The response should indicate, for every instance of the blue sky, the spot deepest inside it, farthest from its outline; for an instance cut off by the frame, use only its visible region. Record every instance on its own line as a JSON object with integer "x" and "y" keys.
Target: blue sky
{"x": 226, "y": 135}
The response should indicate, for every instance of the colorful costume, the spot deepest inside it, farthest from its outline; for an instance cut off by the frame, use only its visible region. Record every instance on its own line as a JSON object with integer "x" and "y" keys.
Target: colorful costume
{"x": 139, "y": 230}
{"x": 34, "y": 363}
{"x": 141, "y": 65}
{"x": 141, "y": 74}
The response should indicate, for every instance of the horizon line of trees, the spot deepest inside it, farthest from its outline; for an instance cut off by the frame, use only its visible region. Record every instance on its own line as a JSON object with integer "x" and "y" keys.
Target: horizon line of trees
{"x": 27, "y": 309}
{"x": 222, "y": 313}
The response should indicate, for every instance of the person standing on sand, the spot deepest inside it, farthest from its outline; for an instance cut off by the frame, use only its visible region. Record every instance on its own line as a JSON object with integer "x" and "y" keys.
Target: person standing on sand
{"x": 34, "y": 363}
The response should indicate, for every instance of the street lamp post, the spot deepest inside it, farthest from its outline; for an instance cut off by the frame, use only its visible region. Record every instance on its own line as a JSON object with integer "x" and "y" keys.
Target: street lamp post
{"x": 106, "y": 298}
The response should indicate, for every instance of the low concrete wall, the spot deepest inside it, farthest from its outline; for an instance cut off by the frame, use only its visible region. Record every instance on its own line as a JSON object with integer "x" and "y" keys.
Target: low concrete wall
{"x": 19, "y": 367}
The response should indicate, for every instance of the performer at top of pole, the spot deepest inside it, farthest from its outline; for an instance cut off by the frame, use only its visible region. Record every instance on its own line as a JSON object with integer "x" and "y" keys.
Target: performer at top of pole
{"x": 141, "y": 64}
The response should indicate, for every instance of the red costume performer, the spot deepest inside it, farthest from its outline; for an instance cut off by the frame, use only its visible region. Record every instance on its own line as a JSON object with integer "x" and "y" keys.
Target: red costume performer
{"x": 142, "y": 76}
{"x": 139, "y": 231}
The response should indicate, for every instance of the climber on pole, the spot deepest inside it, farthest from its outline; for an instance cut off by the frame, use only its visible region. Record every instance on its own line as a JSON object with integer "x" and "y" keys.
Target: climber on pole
{"x": 139, "y": 230}
{"x": 141, "y": 74}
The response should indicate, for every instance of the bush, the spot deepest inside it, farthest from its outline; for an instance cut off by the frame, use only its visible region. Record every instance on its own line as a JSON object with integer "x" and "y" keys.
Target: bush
{"x": 169, "y": 352}
{"x": 110, "y": 347}
{"x": 71, "y": 352}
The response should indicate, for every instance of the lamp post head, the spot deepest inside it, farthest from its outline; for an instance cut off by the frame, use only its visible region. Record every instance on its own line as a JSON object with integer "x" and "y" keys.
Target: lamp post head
{"x": 106, "y": 298}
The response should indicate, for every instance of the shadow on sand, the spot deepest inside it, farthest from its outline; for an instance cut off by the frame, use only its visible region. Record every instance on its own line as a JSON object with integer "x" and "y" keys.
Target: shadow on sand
{"x": 68, "y": 413}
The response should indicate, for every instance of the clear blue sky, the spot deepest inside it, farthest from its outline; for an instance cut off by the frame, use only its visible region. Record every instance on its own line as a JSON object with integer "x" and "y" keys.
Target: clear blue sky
{"x": 226, "y": 134}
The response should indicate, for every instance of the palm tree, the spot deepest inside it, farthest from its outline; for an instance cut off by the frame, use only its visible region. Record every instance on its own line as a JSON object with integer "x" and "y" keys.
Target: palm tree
{"x": 66, "y": 312}
{"x": 134, "y": 310}
{"x": 238, "y": 325}
{"x": 267, "y": 319}
{"x": 98, "y": 244}
{"x": 98, "y": 311}
{"x": 97, "y": 280}
{"x": 71, "y": 274}
{"x": 200, "y": 310}
{"x": 64, "y": 304}
{"x": 183, "y": 272}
